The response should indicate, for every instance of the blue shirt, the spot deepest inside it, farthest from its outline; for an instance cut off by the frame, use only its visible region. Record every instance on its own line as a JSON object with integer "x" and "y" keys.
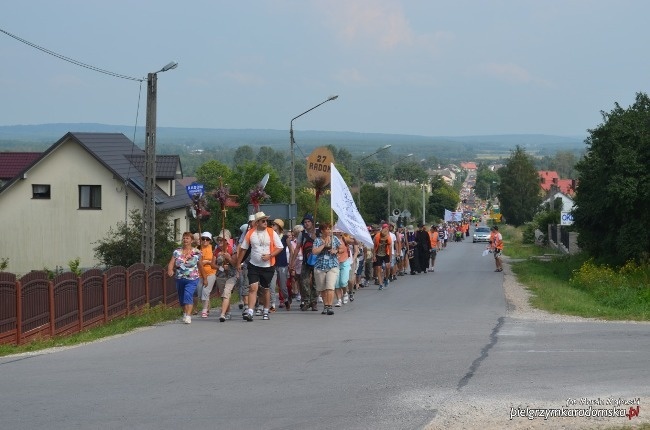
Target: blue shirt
{"x": 326, "y": 260}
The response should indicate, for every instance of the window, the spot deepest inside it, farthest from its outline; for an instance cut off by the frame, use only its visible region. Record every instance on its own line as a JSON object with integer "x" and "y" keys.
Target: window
{"x": 177, "y": 229}
{"x": 40, "y": 191}
{"x": 90, "y": 196}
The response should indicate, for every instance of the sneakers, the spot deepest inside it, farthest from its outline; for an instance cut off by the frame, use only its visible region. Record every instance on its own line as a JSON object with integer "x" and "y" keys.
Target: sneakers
{"x": 297, "y": 298}
{"x": 352, "y": 297}
{"x": 346, "y": 298}
{"x": 228, "y": 317}
{"x": 265, "y": 317}
{"x": 222, "y": 318}
{"x": 204, "y": 314}
{"x": 248, "y": 315}
{"x": 330, "y": 311}
{"x": 338, "y": 303}
{"x": 272, "y": 309}
{"x": 187, "y": 319}
{"x": 241, "y": 305}
{"x": 258, "y": 311}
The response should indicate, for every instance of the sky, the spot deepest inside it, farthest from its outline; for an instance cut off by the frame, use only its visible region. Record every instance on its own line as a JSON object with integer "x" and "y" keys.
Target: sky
{"x": 417, "y": 67}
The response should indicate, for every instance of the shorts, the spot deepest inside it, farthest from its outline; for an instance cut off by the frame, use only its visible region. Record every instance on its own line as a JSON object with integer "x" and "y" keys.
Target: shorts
{"x": 185, "y": 289}
{"x": 497, "y": 253}
{"x": 326, "y": 280}
{"x": 380, "y": 260}
{"x": 225, "y": 286}
{"x": 260, "y": 275}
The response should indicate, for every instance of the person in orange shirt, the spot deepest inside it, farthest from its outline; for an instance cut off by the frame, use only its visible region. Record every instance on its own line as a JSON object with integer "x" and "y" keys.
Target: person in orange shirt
{"x": 205, "y": 285}
{"x": 433, "y": 238}
{"x": 382, "y": 250}
{"x": 496, "y": 246}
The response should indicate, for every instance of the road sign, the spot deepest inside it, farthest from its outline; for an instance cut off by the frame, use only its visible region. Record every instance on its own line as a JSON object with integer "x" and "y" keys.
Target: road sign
{"x": 566, "y": 218}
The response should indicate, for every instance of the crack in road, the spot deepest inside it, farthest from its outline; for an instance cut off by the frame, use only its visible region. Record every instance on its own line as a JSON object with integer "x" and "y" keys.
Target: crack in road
{"x": 484, "y": 353}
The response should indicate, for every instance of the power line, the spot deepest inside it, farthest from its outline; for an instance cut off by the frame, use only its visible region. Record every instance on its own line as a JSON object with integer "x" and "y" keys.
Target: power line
{"x": 70, "y": 60}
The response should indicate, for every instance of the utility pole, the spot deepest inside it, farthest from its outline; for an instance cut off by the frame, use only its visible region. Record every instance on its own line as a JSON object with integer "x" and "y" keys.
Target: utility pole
{"x": 149, "y": 210}
{"x": 148, "y": 246}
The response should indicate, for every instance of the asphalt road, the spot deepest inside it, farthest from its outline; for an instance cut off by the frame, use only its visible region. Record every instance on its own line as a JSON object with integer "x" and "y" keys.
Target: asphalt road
{"x": 400, "y": 358}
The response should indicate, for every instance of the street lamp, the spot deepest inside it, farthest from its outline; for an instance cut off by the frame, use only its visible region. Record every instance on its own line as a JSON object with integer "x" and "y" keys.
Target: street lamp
{"x": 293, "y": 156}
{"x": 149, "y": 205}
{"x": 359, "y": 175}
{"x": 390, "y": 169}
{"x": 424, "y": 207}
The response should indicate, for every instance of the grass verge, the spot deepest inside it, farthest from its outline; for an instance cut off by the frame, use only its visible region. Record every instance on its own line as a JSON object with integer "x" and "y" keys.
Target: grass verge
{"x": 574, "y": 285}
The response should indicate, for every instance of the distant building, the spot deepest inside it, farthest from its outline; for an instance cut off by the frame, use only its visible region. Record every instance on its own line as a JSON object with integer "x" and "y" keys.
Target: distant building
{"x": 469, "y": 165}
{"x": 549, "y": 179}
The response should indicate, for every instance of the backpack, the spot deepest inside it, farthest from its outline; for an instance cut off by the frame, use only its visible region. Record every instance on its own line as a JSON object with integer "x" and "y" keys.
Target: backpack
{"x": 306, "y": 244}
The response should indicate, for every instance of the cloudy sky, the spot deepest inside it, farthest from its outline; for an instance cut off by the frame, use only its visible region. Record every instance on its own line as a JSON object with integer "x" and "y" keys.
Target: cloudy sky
{"x": 420, "y": 67}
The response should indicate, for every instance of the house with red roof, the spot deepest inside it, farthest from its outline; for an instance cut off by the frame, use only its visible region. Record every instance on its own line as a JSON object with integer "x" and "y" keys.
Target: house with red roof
{"x": 549, "y": 179}
{"x": 12, "y": 163}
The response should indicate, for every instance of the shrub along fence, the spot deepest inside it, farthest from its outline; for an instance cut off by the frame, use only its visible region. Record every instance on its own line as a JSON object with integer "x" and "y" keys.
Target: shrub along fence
{"x": 35, "y": 306}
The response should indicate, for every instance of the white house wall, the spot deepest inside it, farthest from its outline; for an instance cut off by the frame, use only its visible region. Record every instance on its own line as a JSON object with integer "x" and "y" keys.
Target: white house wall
{"x": 48, "y": 233}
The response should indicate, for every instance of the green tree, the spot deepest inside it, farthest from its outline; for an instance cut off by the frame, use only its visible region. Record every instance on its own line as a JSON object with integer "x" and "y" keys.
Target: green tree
{"x": 443, "y": 196}
{"x": 612, "y": 211}
{"x": 122, "y": 244}
{"x": 243, "y": 154}
{"x": 519, "y": 190}
{"x": 485, "y": 182}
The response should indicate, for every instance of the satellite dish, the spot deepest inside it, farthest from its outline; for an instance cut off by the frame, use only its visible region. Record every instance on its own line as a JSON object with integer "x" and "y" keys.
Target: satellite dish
{"x": 406, "y": 213}
{"x": 396, "y": 212}
{"x": 264, "y": 180}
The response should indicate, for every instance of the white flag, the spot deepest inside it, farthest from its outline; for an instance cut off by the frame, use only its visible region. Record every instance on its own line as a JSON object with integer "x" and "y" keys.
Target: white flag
{"x": 350, "y": 220}
{"x": 448, "y": 215}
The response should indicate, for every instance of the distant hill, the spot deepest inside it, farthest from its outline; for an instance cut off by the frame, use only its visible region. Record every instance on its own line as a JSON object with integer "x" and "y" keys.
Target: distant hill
{"x": 40, "y": 137}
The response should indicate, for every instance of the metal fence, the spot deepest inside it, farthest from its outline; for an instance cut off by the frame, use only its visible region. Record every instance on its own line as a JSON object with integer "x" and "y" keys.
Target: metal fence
{"x": 35, "y": 306}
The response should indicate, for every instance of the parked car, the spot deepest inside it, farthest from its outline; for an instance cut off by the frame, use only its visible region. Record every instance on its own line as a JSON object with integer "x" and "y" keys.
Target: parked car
{"x": 481, "y": 234}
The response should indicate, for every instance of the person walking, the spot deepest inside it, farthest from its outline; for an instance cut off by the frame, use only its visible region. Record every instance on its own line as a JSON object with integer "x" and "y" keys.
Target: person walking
{"x": 265, "y": 245}
{"x": 305, "y": 242}
{"x": 205, "y": 287}
{"x": 433, "y": 238}
{"x": 424, "y": 247}
{"x": 185, "y": 265}
{"x": 223, "y": 261}
{"x": 344, "y": 257}
{"x": 497, "y": 248}
{"x": 282, "y": 264}
{"x": 382, "y": 251}
{"x": 326, "y": 269}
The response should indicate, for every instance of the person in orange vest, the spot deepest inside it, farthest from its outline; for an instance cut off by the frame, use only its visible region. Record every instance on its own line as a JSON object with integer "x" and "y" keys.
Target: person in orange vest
{"x": 382, "y": 250}
{"x": 433, "y": 238}
{"x": 496, "y": 244}
{"x": 264, "y": 244}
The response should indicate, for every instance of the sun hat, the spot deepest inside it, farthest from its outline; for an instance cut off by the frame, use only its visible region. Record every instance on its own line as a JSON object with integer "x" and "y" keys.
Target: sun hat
{"x": 260, "y": 216}
{"x": 279, "y": 223}
{"x": 224, "y": 234}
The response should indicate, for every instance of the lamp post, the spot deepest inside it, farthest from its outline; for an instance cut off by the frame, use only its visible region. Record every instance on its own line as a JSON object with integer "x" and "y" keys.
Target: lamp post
{"x": 359, "y": 175}
{"x": 424, "y": 207}
{"x": 149, "y": 205}
{"x": 390, "y": 169}
{"x": 293, "y": 154}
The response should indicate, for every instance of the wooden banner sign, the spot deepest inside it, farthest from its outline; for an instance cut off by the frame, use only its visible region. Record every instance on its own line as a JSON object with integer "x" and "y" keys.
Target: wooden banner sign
{"x": 318, "y": 165}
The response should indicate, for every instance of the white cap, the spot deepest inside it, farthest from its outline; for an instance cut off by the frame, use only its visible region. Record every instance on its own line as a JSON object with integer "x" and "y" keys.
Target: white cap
{"x": 207, "y": 234}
